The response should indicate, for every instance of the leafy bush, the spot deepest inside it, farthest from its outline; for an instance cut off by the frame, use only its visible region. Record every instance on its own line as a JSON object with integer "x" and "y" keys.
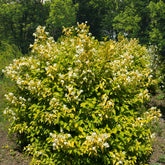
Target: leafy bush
{"x": 80, "y": 101}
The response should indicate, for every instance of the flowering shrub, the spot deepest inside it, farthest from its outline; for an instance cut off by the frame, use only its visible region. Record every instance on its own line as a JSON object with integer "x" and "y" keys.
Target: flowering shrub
{"x": 80, "y": 101}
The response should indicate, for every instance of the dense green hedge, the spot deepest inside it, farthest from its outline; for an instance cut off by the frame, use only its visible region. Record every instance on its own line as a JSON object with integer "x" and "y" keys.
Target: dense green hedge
{"x": 81, "y": 101}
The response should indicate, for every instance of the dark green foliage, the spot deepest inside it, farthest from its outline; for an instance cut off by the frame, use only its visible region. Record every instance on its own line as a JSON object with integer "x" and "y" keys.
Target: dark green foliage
{"x": 7, "y": 54}
{"x": 19, "y": 19}
{"x": 62, "y": 13}
{"x": 157, "y": 33}
{"x": 107, "y": 18}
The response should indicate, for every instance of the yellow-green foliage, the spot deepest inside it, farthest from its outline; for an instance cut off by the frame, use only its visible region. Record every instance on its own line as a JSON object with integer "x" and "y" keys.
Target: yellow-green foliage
{"x": 80, "y": 101}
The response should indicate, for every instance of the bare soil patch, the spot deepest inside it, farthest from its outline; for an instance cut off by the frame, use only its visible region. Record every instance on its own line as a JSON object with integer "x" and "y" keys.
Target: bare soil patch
{"x": 9, "y": 153}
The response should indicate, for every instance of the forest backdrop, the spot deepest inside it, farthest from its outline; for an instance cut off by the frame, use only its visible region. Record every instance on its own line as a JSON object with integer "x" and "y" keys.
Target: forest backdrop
{"x": 140, "y": 19}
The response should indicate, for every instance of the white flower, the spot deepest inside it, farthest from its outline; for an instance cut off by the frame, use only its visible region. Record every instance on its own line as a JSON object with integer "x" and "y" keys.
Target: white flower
{"x": 120, "y": 162}
{"x": 84, "y": 72}
{"x": 66, "y": 95}
{"x": 69, "y": 68}
{"x": 94, "y": 148}
{"x": 81, "y": 91}
{"x": 69, "y": 135}
{"x": 78, "y": 61}
{"x": 72, "y": 93}
{"x": 39, "y": 83}
{"x": 65, "y": 143}
{"x": 54, "y": 144}
{"x": 94, "y": 134}
{"x": 76, "y": 97}
{"x": 61, "y": 75}
{"x": 89, "y": 70}
{"x": 64, "y": 106}
{"x": 70, "y": 74}
{"x": 88, "y": 138}
{"x": 106, "y": 145}
{"x": 36, "y": 40}
{"x": 31, "y": 45}
{"x": 70, "y": 88}
{"x": 74, "y": 74}
{"x": 11, "y": 94}
{"x": 100, "y": 140}
{"x": 55, "y": 111}
{"x": 153, "y": 135}
{"x": 32, "y": 67}
{"x": 50, "y": 38}
{"x": 105, "y": 98}
{"x": 34, "y": 34}
{"x": 153, "y": 108}
{"x": 40, "y": 153}
{"x": 13, "y": 102}
{"x": 5, "y": 112}
{"x": 140, "y": 94}
{"x": 110, "y": 103}
{"x": 28, "y": 149}
{"x": 84, "y": 78}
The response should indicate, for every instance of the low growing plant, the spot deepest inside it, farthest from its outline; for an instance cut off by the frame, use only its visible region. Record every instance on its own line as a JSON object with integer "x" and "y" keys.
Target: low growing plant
{"x": 7, "y": 54}
{"x": 162, "y": 158}
{"x": 80, "y": 101}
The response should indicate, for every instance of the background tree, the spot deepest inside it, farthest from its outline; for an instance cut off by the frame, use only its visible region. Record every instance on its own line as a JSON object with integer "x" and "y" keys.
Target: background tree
{"x": 93, "y": 12}
{"x": 127, "y": 22}
{"x": 133, "y": 20}
{"x": 112, "y": 9}
{"x": 157, "y": 33}
{"x": 138, "y": 19}
{"x": 62, "y": 13}
{"x": 19, "y": 19}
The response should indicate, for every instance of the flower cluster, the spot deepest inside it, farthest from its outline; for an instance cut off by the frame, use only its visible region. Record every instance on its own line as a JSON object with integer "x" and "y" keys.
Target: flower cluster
{"x": 61, "y": 141}
{"x": 95, "y": 142}
{"x": 9, "y": 112}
